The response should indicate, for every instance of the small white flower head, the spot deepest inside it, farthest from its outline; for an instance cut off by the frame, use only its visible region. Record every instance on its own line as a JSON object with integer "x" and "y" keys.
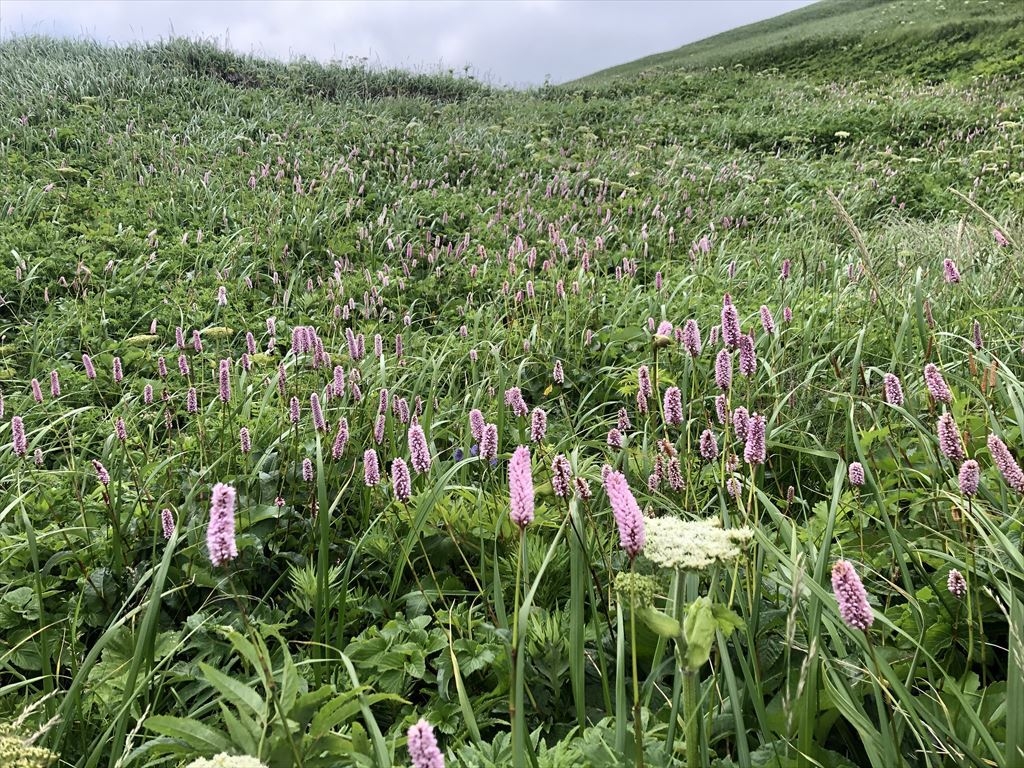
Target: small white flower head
{"x": 224, "y": 760}
{"x": 692, "y": 545}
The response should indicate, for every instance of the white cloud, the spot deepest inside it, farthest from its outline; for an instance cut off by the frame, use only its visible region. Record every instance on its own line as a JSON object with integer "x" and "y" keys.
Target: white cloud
{"x": 512, "y": 42}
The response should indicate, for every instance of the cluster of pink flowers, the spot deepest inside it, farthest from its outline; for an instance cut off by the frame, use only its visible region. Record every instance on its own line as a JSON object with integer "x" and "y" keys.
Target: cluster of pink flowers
{"x": 220, "y": 534}
{"x": 851, "y": 596}
{"x": 520, "y": 485}
{"x": 628, "y": 517}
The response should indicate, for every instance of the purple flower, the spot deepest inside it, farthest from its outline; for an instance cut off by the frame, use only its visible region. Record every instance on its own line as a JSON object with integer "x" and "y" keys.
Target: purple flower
{"x": 418, "y": 450}
{"x": 786, "y": 266}
{"x": 338, "y": 448}
{"x": 401, "y": 482}
{"x": 627, "y": 513}
{"x": 101, "y": 472}
{"x": 538, "y": 425}
{"x": 949, "y": 438}
{"x": 754, "y": 452}
{"x": 244, "y": 441}
{"x": 378, "y": 429}
{"x": 623, "y": 421}
{"x": 37, "y": 392}
{"x": 18, "y": 440}
{"x": 197, "y": 343}
{"x": 120, "y": 430}
{"x": 708, "y": 445}
{"x": 147, "y": 394}
{"x": 476, "y": 424}
{"x": 520, "y": 487}
{"x": 293, "y": 410}
{"x": 583, "y": 488}
{"x": 307, "y": 470}
{"x": 748, "y": 359}
{"x": 976, "y": 336}
{"x": 741, "y": 422}
{"x": 691, "y": 338}
{"x": 225, "y": 381}
{"x": 851, "y": 596}
{"x": 250, "y": 343}
{"x": 1007, "y": 465}
{"x": 179, "y": 337}
{"x": 382, "y": 401}
{"x": 767, "y": 321}
{"x": 167, "y": 523}
{"x": 950, "y": 272}
{"x": 675, "y": 474}
{"x": 644, "y": 388}
{"x": 423, "y": 750}
{"x": 673, "y": 406}
{"x": 723, "y": 369}
{"x": 118, "y": 372}
{"x": 558, "y": 374}
{"x": 956, "y": 584}
{"x": 730, "y": 323}
{"x": 733, "y": 487}
{"x": 489, "y": 443}
{"x": 90, "y": 369}
{"x": 514, "y": 400}
{"x": 614, "y": 438}
{"x": 970, "y": 477}
{"x": 893, "y": 389}
{"x": 721, "y": 409}
{"x": 561, "y": 476}
{"x": 220, "y": 534}
{"x": 183, "y": 368}
{"x": 856, "y": 473}
{"x": 787, "y": 314}
{"x": 319, "y": 423}
{"x": 371, "y": 468}
{"x": 161, "y": 367}
{"x": 936, "y": 384}
{"x": 191, "y": 401}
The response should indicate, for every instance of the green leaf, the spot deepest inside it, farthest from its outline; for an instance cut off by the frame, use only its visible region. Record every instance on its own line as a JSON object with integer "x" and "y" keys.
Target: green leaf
{"x": 238, "y": 693}
{"x": 660, "y": 623}
{"x": 728, "y": 620}
{"x": 699, "y": 629}
{"x": 202, "y": 738}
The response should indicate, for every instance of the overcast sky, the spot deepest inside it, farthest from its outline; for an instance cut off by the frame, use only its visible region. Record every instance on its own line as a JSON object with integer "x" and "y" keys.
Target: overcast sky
{"x": 510, "y": 42}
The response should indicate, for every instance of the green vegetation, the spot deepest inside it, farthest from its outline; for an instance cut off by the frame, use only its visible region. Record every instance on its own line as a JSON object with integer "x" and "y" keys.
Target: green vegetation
{"x": 929, "y": 40}
{"x": 237, "y": 245}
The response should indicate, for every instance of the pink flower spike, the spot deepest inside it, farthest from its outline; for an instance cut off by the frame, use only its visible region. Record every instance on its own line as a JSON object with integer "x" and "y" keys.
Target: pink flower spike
{"x": 423, "y": 749}
{"x": 628, "y": 517}
{"x": 220, "y": 535}
{"x": 851, "y": 596}
{"x": 401, "y": 482}
{"x": 18, "y": 440}
{"x": 419, "y": 451}
{"x": 520, "y": 484}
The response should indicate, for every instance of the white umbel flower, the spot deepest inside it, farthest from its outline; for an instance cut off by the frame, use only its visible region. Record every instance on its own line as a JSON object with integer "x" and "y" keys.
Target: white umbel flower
{"x": 691, "y": 545}
{"x": 224, "y": 760}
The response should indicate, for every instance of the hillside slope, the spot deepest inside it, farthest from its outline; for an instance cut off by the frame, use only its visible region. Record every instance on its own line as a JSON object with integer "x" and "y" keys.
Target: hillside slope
{"x": 928, "y": 39}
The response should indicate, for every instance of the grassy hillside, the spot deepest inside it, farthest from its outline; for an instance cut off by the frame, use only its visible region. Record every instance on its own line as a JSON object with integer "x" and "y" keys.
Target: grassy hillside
{"x": 862, "y": 39}
{"x": 342, "y": 410}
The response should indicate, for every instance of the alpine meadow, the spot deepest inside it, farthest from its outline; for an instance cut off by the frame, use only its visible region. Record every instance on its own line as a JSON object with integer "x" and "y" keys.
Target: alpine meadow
{"x": 668, "y": 417}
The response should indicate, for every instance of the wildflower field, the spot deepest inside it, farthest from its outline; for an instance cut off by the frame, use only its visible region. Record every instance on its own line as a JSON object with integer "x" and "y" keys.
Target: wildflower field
{"x": 672, "y": 417}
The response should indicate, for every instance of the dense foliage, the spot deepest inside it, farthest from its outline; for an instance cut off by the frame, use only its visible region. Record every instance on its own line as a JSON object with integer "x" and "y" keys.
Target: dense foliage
{"x": 247, "y": 310}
